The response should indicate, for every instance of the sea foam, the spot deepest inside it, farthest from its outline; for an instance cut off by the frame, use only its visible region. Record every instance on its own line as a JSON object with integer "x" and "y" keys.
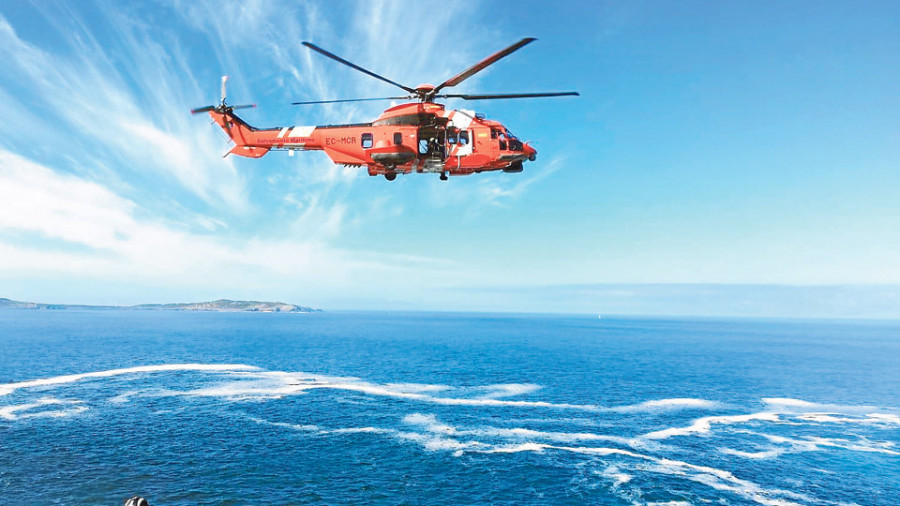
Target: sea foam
{"x": 703, "y": 425}
{"x": 29, "y": 410}
{"x": 7, "y": 388}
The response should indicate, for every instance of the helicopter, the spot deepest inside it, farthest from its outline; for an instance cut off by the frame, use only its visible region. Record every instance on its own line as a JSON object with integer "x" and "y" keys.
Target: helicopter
{"x": 420, "y": 136}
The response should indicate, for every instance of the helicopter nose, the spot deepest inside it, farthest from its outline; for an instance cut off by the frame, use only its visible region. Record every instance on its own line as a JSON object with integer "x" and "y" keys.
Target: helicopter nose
{"x": 530, "y": 151}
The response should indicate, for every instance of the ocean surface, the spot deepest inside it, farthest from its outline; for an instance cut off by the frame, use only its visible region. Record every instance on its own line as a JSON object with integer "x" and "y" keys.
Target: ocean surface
{"x": 416, "y": 408}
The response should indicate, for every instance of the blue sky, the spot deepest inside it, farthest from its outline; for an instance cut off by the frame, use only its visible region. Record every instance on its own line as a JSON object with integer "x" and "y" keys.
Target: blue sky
{"x": 715, "y": 144}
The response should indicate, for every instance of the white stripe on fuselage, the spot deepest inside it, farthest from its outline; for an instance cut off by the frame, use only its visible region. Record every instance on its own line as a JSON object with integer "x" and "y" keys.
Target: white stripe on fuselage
{"x": 302, "y": 131}
{"x": 461, "y": 118}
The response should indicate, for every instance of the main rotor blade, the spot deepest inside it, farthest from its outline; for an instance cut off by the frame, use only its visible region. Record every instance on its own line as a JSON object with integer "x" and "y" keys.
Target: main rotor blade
{"x": 349, "y": 100}
{"x": 478, "y": 67}
{"x": 357, "y": 67}
{"x": 203, "y": 109}
{"x": 512, "y": 95}
{"x": 241, "y": 106}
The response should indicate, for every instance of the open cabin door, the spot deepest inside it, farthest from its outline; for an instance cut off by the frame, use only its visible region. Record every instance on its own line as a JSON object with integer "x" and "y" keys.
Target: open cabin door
{"x": 459, "y": 142}
{"x": 459, "y": 137}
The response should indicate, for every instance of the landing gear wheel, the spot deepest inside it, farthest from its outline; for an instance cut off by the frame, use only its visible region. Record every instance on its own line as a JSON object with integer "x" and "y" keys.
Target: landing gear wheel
{"x": 443, "y": 176}
{"x": 390, "y": 176}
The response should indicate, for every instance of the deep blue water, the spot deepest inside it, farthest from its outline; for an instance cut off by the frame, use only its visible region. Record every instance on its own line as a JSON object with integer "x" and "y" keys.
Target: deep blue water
{"x": 406, "y": 408}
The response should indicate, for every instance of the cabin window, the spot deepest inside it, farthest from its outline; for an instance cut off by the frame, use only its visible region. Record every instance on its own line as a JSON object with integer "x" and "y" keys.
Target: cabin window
{"x": 398, "y": 138}
{"x": 451, "y": 137}
{"x": 367, "y": 141}
{"x": 502, "y": 142}
{"x": 463, "y": 137}
{"x": 493, "y": 134}
{"x": 423, "y": 146}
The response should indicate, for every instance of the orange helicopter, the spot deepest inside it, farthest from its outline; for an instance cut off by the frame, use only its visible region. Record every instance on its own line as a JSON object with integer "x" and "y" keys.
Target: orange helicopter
{"x": 419, "y": 137}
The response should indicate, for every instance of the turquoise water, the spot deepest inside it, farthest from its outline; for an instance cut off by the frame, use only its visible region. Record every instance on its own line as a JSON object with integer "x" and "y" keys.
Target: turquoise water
{"x": 414, "y": 408}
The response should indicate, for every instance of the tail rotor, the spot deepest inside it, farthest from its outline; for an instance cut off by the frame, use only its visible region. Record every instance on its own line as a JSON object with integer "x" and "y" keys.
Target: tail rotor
{"x": 222, "y": 107}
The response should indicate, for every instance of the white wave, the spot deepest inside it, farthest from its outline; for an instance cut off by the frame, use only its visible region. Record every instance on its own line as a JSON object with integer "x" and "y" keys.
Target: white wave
{"x": 703, "y": 425}
{"x": 430, "y": 423}
{"x": 618, "y": 478}
{"x": 7, "y": 388}
{"x": 429, "y": 441}
{"x": 22, "y": 411}
{"x": 766, "y": 454}
{"x": 359, "y": 430}
{"x": 813, "y": 443}
{"x": 723, "y": 480}
{"x": 797, "y": 406}
{"x": 592, "y": 422}
{"x": 319, "y": 430}
{"x": 124, "y": 397}
{"x": 293, "y": 426}
{"x": 290, "y": 383}
{"x": 523, "y": 447}
{"x": 245, "y": 390}
{"x": 869, "y": 418}
{"x": 884, "y": 418}
{"x": 666, "y": 405}
{"x": 861, "y": 445}
{"x": 279, "y": 384}
{"x": 508, "y": 390}
{"x": 432, "y": 442}
{"x": 416, "y": 387}
{"x": 718, "y": 479}
{"x": 788, "y": 402}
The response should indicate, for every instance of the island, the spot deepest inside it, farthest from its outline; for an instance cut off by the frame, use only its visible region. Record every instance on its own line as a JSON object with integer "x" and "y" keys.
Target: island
{"x": 221, "y": 305}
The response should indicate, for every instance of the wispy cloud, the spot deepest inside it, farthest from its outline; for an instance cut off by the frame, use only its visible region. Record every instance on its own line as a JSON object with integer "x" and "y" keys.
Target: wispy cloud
{"x": 89, "y": 107}
{"x": 97, "y": 233}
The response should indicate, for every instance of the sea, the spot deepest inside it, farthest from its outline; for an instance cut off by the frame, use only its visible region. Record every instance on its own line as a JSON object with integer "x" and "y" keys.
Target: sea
{"x": 445, "y": 408}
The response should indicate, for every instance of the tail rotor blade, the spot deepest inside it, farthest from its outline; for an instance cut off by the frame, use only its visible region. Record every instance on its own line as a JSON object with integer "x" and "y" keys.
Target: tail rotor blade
{"x": 224, "y": 81}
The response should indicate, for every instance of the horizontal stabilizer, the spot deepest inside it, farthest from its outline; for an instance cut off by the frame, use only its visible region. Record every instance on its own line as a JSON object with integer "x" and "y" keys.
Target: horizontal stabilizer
{"x": 248, "y": 151}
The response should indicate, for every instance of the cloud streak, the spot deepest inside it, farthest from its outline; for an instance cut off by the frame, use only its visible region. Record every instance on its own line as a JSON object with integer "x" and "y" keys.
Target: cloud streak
{"x": 96, "y": 233}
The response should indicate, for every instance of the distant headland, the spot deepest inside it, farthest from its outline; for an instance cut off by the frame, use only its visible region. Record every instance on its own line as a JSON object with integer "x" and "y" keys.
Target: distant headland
{"x": 221, "y": 305}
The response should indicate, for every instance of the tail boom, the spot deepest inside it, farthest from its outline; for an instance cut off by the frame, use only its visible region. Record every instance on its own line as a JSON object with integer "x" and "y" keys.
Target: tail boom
{"x": 254, "y": 142}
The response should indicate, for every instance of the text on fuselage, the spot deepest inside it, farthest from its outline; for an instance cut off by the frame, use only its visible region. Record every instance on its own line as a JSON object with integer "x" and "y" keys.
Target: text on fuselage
{"x": 329, "y": 141}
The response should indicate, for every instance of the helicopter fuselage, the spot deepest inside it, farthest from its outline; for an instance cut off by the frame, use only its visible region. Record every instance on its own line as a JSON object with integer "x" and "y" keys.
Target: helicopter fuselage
{"x": 413, "y": 137}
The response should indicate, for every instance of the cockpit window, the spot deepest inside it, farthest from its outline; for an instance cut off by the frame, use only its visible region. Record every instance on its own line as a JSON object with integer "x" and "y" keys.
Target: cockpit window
{"x": 463, "y": 137}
